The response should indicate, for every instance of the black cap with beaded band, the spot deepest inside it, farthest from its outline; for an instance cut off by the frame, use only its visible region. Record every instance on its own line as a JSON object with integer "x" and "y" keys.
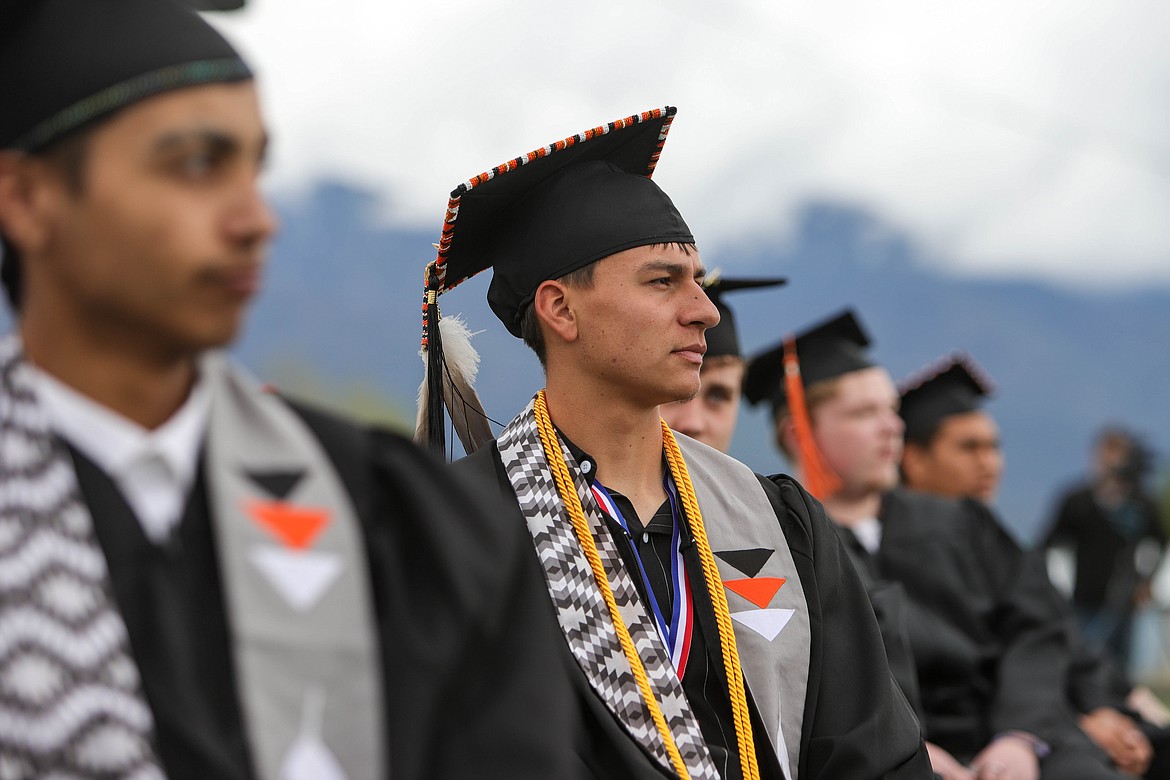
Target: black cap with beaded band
{"x": 543, "y": 215}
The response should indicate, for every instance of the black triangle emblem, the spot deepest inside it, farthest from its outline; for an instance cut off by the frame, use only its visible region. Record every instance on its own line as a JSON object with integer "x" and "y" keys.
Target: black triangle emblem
{"x": 748, "y": 561}
{"x": 278, "y": 484}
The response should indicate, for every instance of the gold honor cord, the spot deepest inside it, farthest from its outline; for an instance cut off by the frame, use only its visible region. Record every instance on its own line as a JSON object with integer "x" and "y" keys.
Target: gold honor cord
{"x": 739, "y": 707}
{"x": 568, "y": 494}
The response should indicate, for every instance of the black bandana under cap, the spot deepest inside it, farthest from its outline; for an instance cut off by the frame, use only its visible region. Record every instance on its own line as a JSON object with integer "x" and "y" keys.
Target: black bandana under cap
{"x": 65, "y": 63}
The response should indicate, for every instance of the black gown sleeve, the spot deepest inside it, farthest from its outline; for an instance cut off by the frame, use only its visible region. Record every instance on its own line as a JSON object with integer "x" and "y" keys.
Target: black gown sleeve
{"x": 891, "y": 607}
{"x": 469, "y": 641}
{"x": 857, "y": 723}
{"x": 1034, "y": 664}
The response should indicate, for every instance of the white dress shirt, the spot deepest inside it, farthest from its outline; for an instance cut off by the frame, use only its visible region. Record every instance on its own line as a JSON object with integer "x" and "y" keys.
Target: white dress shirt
{"x": 869, "y": 533}
{"x": 154, "y": 469}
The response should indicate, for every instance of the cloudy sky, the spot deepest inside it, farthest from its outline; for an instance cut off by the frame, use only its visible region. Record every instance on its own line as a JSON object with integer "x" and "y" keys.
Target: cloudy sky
{"x": 1027, "y": 137}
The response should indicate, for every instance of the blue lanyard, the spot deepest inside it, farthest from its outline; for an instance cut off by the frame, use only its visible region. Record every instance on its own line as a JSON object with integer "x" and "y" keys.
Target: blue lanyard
{"x": 675, "y": 632}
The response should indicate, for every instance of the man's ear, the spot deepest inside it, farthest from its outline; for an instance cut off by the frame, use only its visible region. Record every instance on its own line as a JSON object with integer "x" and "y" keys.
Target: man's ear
{"x": 915, "y": 460}
{"x": 553, "y": 310}
{"x": 23, "y": 199}
{"x": 786, "y": 435}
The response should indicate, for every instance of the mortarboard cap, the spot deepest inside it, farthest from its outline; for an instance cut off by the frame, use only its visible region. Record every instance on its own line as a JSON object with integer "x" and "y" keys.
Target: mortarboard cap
{"x": 66, "y": 63}
{"x": 557, "y": 209}
{"x": 782, "y": 374}
{"x": 824, "y": 351}
{"x": 216, "y": 5}
{"x": 723, "y": 338}
{"x": 534, "y": 218}
{"x": 951, "y": 385}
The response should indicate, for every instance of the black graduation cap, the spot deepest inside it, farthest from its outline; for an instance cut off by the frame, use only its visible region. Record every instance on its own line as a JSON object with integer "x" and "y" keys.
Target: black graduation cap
{"x": 826, "y": 350}
{"x": 954, "y": 384}
{"x": 723, "y": 339}
{"x": 538, "y": 217}
{"x": 557, "y": 209}
{"x": 66, "y": 63}
{"x": 216, "y": 5}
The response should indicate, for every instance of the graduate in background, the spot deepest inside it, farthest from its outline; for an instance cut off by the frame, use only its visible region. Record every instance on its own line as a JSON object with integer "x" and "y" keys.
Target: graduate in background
{"x": 198, "y": 579}
{"x": 713, "y": 627}
{"x": 952, "y": 444}
{"x": 953, "y": 450}
{"x": 991, "y": 662}
{"x": 710, "y": 416}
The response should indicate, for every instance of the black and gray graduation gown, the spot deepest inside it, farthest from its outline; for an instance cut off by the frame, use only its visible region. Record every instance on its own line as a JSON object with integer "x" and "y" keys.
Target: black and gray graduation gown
{"x": 856, "y": 723}
{"x": 992, "y": 655}
{"x": 468, "y": 644}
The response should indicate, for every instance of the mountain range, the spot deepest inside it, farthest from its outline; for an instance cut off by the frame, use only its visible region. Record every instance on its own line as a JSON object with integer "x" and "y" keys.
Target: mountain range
{"x": 339, "y": 321}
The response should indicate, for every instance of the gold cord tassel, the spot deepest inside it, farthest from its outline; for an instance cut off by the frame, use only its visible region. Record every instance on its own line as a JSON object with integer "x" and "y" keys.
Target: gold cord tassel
{"x": 739, "y": 708}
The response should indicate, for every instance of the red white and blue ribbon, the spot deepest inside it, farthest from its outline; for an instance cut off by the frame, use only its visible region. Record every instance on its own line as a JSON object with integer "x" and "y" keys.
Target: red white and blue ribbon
{"x": 677, "y": 631}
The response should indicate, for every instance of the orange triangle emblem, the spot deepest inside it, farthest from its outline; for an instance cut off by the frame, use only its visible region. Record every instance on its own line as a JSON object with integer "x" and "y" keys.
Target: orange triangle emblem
{"x": 296, "y": 526}
{"x": 758, "y": 590}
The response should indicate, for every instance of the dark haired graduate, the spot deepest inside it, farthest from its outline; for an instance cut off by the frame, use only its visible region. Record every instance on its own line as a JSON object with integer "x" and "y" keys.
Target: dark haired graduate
{"x": 198, "y": 580}
{"x": 713, "y": 627}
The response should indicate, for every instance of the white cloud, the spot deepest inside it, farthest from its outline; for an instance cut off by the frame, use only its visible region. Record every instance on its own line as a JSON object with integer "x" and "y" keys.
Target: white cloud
{"x": 1014, "y": 136}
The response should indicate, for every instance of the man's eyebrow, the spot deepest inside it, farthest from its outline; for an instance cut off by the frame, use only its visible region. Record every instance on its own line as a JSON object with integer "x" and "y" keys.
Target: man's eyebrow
{"x": 672, "y": 268}
{"x": 216, "y": 138}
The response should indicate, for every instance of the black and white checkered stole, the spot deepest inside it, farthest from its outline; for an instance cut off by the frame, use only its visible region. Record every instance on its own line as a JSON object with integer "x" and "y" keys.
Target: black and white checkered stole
{"x": 581, "y": 608}
{"x": 71, "y": 704}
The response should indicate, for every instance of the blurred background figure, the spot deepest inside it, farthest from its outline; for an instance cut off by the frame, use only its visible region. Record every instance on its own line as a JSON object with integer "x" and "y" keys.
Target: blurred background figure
{"x": 710, "y": 416}
{"x": 1111, "y": 530}
{"x": 952, "y": 445}
{"x": 953, "y": 450}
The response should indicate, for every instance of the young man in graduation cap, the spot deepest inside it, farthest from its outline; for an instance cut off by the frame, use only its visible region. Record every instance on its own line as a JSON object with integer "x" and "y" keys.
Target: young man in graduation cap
{"x": 713, "y": 628}
{"x": 953, "y": 450}
{"x": 197, "y": 580}
{"x": 710, "y": 416}
{"x": 991, "y": 660}
{"x": 952, "y": 444}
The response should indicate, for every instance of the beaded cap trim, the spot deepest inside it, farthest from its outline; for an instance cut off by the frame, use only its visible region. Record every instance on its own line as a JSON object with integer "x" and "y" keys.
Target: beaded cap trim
{"x": 435, "y": 279}
{"x": 943, "y": 364}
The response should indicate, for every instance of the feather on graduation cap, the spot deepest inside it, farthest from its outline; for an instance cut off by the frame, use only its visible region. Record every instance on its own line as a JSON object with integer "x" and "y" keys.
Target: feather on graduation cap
{"x": 533, "y": 218}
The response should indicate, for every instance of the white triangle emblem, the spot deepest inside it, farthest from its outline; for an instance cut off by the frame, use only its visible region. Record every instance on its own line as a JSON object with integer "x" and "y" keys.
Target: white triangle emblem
{"x": 309, "y": 758}
{"x": 301, "y": 577}
{"x": 768, "y": 623}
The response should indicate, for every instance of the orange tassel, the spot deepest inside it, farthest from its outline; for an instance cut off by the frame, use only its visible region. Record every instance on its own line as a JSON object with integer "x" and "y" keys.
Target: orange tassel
{"x": 819, "y": 478}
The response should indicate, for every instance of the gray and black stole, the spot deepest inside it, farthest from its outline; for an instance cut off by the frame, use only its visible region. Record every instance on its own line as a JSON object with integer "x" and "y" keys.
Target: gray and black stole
{"x": 295, "y": 581}
{"x": 776, "y": 670}
{"x": 764, "y": 595}
{"x": 581, "y": 610}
